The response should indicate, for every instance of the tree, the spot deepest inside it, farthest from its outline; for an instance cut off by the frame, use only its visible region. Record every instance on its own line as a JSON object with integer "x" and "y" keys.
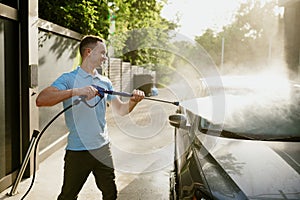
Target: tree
{"x": 142, "y": 35}
{"x": 82, "y": 16}
{"x": 248, "y": 38}
{"x": 139, "y": 31}
{"x": 211, "y": 42}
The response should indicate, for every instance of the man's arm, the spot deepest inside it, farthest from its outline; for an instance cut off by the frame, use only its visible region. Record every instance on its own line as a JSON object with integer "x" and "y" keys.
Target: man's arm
{"x": 51, "y": 95}
{"x": 123, "y": 108}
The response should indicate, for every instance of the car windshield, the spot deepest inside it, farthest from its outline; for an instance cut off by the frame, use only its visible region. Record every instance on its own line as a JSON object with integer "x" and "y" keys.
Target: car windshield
{"x": 262, "y": 119}
{"x": 273, "y": 117}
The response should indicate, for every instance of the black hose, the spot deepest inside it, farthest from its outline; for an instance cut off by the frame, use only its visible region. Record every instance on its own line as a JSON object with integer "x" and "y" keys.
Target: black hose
{"x": 36, "y": 145}
{"x": 77, "y": 101}
{"x": 40, "y": 134}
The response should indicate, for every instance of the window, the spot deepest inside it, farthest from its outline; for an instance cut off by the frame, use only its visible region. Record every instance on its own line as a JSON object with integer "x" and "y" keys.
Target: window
{"x": 9, "y": 98}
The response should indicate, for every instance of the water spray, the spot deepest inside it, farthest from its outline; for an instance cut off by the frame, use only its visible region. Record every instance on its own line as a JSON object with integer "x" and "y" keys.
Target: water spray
{"x": 101, "y": 92}
{"x": 37, "y": 135}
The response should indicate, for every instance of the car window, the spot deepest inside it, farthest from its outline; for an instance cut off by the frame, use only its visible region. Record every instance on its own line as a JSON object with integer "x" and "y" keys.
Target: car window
{"x": 203, "y": 124}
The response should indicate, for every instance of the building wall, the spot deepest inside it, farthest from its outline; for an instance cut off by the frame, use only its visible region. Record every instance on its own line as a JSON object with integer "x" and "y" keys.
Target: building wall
{"x": 57, "y": 54}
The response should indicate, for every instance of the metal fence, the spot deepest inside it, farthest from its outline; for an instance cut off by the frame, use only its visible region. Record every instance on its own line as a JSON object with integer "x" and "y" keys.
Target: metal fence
{"x": 122, "y": 74}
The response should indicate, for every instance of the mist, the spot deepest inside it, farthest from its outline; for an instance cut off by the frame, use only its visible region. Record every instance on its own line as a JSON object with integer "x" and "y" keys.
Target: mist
{"x": 258, "y": 97}
{"x": 264, "y": 104}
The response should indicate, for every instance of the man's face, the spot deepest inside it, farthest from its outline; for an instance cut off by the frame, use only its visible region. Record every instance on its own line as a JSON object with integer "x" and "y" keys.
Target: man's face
{"x": 98, "y": 55}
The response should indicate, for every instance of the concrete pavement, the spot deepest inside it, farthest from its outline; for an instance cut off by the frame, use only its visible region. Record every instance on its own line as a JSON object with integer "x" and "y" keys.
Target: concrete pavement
{"x": 142, "y": 146}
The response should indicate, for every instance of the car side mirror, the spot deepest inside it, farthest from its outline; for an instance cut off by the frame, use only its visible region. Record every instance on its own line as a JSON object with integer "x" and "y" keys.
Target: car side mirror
{"x": 178, "y": 121}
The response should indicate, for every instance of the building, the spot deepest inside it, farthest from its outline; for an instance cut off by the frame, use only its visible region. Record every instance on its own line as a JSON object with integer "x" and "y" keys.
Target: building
{"x": 18, "y": 63}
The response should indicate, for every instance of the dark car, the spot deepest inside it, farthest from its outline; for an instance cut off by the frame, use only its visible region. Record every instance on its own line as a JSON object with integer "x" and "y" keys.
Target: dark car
{"x": 252, "y": 153}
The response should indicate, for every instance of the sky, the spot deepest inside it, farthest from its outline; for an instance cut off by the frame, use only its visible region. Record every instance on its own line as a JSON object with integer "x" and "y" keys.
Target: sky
{"x": 198, "y": 15}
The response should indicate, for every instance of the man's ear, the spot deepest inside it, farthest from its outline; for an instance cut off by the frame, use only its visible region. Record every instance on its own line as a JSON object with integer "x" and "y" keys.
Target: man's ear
{"x": 87, "y": 51}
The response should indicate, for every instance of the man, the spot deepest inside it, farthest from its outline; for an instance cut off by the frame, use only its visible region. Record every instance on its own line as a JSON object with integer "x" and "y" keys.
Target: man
{"x": 88, "y": 147}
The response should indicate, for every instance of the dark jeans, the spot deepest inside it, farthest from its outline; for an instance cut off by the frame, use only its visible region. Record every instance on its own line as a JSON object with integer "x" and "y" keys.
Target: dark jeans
{"x": 78, "y": 166}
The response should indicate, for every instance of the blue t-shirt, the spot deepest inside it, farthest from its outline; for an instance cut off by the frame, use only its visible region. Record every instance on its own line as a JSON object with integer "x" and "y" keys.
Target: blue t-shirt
{"x": 87, "y": 126}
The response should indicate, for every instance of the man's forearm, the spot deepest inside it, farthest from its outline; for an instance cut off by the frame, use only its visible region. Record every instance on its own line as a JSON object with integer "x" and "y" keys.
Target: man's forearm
{"x": 131, "y": 105}
{"x": 123, "y": 108}
{"x": 51, "y": 96}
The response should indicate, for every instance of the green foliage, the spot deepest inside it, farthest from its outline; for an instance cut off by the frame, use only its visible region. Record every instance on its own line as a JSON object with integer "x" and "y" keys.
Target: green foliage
{"x": 142, "y": 34}
{"x": 247, "y": 38}
{"x": 212, "y": 43}
{"x": 82, "y": 16}
{"x": 129, "y": 16}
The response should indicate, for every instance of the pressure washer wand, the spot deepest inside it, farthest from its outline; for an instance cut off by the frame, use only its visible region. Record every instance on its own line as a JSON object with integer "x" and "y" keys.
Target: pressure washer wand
{"x": 126, "y": 94}
{"x": 176, "y": 103}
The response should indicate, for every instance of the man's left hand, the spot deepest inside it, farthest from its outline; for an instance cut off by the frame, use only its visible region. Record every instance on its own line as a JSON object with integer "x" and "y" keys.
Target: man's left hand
{"x": 137, "y": 96}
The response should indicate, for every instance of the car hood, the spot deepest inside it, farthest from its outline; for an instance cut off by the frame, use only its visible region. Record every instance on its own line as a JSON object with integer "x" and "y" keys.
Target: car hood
{"x": 262, "y": 170}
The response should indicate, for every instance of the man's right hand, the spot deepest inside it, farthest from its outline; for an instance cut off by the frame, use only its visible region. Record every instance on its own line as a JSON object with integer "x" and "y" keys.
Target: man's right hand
{"x": 88, "y": 91}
